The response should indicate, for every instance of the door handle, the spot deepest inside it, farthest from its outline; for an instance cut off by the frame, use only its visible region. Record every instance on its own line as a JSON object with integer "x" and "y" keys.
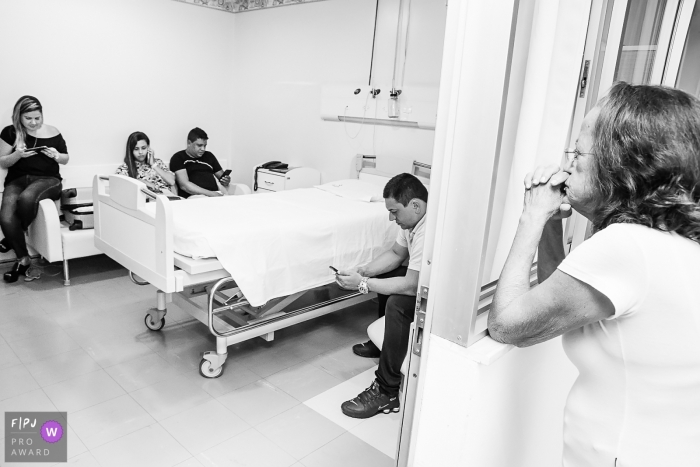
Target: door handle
{"x": 584, "y": 78}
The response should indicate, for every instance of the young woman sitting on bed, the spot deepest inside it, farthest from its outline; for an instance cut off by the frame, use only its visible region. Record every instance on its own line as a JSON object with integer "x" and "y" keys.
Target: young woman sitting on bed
{"x": 140, "y": 163}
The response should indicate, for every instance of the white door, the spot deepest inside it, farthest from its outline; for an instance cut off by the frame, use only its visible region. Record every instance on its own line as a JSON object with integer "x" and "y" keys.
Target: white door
{"x": 626, "y": 40}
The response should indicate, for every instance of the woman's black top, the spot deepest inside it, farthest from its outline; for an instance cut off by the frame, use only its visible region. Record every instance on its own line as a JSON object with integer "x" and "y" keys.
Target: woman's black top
{"x": 38, "y": 164}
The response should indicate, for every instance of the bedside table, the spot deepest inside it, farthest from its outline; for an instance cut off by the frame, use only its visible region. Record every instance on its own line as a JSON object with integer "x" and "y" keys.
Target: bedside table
{"x": 287, "y": 179}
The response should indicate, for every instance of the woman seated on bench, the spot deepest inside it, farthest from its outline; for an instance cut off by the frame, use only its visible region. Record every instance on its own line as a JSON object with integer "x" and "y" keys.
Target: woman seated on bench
{"x": 31, "y": 151}
{"x": 140, "y": 163}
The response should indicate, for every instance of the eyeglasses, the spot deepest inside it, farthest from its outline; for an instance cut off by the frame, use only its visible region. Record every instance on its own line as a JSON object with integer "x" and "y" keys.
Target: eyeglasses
{"x": 573, "y": 154}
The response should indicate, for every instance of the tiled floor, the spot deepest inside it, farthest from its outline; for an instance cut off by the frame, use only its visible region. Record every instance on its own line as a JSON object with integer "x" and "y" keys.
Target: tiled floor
{"x": 135, "y": 398}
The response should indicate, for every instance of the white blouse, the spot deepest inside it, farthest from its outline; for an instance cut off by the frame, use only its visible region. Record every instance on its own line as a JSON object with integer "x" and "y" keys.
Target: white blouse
{"x": 636, "y": 401}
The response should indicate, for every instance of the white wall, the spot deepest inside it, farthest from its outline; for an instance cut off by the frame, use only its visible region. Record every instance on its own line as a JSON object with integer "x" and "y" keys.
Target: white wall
{"x": 103, "y": 69}
{"x": 503, "y": 414}
{"x": 283, "y": 56}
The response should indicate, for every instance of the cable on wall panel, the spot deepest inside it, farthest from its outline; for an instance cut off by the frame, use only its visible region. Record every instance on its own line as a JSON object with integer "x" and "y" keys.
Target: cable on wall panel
{"x": 364, "y": 112}
{"x": 396, "y": 45}
{"x": 374, "y": 38}
{"x": 405, "y": 45}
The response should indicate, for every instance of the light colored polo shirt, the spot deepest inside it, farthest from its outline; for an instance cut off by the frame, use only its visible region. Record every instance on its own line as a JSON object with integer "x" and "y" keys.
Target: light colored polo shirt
{"x": 413, "y": 240}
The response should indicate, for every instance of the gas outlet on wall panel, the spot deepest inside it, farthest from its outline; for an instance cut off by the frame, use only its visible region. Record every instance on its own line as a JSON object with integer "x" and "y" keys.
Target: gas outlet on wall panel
{"x": 418, "y": 107}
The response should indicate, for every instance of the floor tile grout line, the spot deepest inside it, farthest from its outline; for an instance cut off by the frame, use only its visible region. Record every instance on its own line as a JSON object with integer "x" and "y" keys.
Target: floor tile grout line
{"x": 250, "y": 427}
{"x": 212, "y": 447}
{"x": 131, "y": 433}
{"x": 332, "y": 350}
{"x": 14, "y": 353}
{"x": 137, "y": 358}
{"x": 101, "y": 366}
{"x": 330, "y": 441}
{"x": 67, "y": 379}
{"x": 149, "y": 413}
{"x": 30, "y": 374}
{"x": 88, "y": 407}
{"x": 143, "y": 428}
{"x": 127, "y": 434}
{"x": 53, "y": 354}
{"x": 60, "y": 292}
{"x": 303, "y": 360}
{"x": 307, "y": 455}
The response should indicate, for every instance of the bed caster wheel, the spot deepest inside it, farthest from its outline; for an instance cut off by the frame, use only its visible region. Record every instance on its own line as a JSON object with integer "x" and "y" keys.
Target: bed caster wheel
{"x": 157, "y": 326}
{"x": 206, "y": 370}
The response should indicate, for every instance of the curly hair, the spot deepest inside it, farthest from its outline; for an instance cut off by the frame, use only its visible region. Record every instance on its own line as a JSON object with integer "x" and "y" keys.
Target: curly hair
{"x": 647, "y": 164}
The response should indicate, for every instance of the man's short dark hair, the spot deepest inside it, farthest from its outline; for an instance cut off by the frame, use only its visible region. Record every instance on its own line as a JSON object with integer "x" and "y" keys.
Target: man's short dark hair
{"x": 405, "y": 187}
{"x": 195, "y": 134}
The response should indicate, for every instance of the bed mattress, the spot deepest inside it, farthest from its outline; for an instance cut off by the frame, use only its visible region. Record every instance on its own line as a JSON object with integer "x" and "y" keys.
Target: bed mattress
{"x": 281, "y": 243}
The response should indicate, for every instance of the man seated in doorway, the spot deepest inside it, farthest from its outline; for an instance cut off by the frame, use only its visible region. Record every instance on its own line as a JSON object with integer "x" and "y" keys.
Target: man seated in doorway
{"x": 196, "y": 170}
{"x": 406, "y": 199}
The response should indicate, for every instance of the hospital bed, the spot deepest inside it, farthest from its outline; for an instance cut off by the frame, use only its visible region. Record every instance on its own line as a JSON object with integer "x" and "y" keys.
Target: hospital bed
{"x": 245, "y": 266}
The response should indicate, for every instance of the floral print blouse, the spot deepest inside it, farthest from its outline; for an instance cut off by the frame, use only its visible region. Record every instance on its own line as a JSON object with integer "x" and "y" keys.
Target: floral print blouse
{"x": 146, "y": 173}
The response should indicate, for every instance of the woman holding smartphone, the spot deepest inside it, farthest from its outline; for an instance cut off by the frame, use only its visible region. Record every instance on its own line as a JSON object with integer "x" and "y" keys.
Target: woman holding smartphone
{"x": 31, "y": 152}
{"x": 140, "y": 163}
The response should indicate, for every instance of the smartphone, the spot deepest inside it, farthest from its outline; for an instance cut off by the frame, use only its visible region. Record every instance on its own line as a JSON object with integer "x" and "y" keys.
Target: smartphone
{"x": 334, "y": 269}
{"x": 226, "y": 173}
{"x": 36, "y": 149}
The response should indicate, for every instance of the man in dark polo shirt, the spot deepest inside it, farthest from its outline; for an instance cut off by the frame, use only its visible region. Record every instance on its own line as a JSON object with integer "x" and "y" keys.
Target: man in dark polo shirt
{"x": 196, "y": 170}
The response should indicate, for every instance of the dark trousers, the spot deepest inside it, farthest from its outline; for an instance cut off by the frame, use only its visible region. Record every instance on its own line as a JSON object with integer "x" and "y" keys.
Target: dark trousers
{"x": 20, "y": 203}
{"x": 399, "y": 311}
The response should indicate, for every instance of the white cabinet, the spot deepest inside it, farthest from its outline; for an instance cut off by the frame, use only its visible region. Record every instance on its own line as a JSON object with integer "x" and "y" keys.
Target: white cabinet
{"x": 294, "y": 177}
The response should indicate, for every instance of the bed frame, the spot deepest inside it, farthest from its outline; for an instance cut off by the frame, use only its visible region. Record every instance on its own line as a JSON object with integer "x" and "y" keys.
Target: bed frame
{"x": 200, "y": 287}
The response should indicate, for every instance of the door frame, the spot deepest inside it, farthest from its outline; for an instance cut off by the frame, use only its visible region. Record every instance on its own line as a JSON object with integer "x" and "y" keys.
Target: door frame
{"x": 677, "y": 45}
{"x": 674, "y": 27}
{"x": 461, "y": 90}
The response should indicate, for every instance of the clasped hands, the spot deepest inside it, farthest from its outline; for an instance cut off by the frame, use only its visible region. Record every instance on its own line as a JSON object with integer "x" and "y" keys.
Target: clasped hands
{"x": 544, "y": 193}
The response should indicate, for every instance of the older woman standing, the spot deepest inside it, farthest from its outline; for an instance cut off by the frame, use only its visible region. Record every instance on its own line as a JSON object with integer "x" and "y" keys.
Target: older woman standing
{"x": 31, "y": 151}
{"x": 627, "y": 300}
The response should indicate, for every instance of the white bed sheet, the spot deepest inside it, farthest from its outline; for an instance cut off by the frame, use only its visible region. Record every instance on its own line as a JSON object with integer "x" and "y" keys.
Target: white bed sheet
{"x": 281, "y": 243}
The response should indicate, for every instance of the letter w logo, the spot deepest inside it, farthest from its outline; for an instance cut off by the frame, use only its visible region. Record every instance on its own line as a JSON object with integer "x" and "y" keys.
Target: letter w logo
{"x": 51, "y": 432}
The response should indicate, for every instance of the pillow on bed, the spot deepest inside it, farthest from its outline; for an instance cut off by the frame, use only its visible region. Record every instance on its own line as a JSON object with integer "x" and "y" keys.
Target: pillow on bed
{"x": 354, "y": 189}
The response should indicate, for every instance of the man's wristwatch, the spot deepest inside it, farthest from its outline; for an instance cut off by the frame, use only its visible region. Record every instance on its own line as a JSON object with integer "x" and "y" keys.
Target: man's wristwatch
{"x": 363, "y": 287}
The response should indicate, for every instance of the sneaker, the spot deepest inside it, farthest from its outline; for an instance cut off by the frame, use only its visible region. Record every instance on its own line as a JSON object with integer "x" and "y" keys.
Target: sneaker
{"x": 32, "y": 274}
{"x": 366, "y": 350}
{"x": 369, "y": 403}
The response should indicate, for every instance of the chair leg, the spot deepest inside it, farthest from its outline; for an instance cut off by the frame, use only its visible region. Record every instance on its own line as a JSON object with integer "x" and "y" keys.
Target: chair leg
{"x": 66, "y": 275}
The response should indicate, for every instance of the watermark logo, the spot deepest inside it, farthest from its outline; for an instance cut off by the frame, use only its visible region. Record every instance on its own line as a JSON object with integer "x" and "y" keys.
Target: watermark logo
{"x": 51, "y": 431}
{"x": 36, "y": 437}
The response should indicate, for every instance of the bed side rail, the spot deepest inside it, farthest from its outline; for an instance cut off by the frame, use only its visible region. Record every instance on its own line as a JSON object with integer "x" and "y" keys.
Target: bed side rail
{"x": 132, "y": 233}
